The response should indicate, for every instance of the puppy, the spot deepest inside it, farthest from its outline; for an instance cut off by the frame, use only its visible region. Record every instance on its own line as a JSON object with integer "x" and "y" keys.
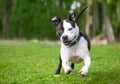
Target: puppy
{"x": 75, "y": 45}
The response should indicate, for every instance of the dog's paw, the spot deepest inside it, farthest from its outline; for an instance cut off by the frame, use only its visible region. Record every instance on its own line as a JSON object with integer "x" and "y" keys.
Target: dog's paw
{"x": 56, "y": 75}
{"x": 83, "y": 71}
{"x": 68, "y": 70}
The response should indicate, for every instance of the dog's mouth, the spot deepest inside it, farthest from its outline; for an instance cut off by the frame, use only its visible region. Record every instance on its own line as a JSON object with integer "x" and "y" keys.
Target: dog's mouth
{"x": 67, "y": 42}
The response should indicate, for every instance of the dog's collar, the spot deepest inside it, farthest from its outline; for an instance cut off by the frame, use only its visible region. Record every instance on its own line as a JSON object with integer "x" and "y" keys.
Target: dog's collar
{"x": 74, "y": 42}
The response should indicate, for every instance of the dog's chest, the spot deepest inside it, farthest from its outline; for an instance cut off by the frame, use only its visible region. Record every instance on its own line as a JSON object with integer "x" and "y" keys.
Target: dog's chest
{"x": 76, "y": 53}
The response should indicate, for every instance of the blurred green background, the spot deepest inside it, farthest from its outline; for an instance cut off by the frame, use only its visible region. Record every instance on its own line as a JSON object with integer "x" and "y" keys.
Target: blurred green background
{"x": 31, "y": 19}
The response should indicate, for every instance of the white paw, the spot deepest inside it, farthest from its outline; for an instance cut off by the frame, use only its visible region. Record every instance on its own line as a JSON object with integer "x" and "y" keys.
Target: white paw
{"x": 83, "y": 71}
{"x": 56, "y": 75}
{"x": 68, "y": 70}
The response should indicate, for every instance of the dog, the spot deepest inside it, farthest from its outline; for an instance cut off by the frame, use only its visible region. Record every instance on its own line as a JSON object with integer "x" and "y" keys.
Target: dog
{"x": 75, "y": 45}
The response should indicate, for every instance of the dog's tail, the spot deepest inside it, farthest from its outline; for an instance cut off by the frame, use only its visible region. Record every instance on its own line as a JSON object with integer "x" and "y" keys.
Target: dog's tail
{"x": 77, "y": 17}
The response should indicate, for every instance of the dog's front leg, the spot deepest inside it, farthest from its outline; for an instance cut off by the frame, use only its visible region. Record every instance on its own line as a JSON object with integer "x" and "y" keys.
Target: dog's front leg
{"x": 65, "y": 65}
{"x": 85, "y": 68}
{"x": 57, "y": 73}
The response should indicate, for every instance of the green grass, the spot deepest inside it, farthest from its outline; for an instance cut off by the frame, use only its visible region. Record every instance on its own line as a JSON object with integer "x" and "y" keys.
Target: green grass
{"x": 35, "y": 63}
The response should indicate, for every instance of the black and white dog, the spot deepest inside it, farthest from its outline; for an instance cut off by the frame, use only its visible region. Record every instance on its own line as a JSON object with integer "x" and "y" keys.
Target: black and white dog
{"x": 75, "y": 45}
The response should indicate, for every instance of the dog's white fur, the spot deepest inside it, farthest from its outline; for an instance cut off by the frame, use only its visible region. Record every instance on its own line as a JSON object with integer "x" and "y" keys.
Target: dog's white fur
{"x": 76, "y": 52}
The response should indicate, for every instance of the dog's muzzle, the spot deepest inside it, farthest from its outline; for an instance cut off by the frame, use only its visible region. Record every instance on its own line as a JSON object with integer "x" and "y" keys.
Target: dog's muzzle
{"x": 72, "y": 42}
{"x": 65, "y": 40}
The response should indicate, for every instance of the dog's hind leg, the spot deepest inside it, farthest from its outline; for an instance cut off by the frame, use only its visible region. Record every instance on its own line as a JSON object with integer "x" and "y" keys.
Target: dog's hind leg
{"x": 72, "y": 65}
{"x": 57, "y": 73}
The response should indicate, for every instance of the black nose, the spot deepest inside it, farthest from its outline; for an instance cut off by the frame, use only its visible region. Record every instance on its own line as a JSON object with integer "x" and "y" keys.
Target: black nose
{"x": 65, "y": 37}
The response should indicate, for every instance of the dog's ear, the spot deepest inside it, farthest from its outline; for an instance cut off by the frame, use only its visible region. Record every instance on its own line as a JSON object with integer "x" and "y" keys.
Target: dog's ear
{"x": 72, "y": 15}
{"x": 56, "y": 20}
{"x": 78, "y": 16}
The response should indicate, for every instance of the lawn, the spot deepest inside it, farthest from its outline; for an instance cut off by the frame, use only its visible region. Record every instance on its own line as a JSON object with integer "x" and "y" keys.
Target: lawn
{"x": 35, "y": 63}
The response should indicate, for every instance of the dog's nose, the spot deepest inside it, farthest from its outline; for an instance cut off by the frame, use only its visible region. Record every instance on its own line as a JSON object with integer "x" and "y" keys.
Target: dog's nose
{"x": 65, "y": 37}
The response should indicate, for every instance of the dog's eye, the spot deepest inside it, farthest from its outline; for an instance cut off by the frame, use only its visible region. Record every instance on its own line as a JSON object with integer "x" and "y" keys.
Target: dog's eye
{"x": 70, "y": 29}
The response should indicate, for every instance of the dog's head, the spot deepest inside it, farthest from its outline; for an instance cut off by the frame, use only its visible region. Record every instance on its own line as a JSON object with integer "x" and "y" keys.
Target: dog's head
{"x": 67, "y": 30}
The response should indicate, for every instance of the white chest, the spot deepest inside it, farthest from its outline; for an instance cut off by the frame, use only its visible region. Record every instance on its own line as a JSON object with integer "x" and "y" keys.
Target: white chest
{"x": 76, "y": 53}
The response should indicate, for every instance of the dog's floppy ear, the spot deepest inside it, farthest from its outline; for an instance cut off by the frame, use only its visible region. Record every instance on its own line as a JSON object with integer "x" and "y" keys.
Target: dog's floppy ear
{"x": 56, "y": 20}
{"x": 72, "y": 15}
